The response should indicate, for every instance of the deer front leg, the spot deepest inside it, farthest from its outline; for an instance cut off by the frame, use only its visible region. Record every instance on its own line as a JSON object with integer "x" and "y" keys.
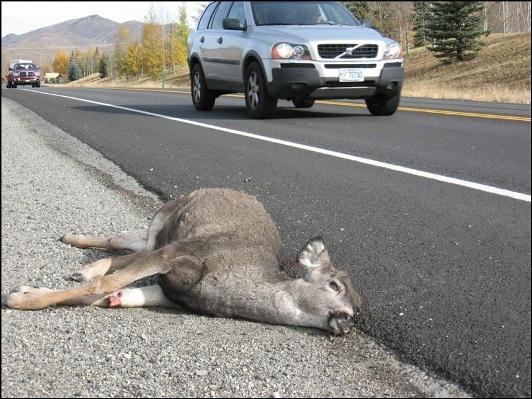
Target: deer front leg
{"x": 118, "y": 243}
{"x": 155, "y": 263}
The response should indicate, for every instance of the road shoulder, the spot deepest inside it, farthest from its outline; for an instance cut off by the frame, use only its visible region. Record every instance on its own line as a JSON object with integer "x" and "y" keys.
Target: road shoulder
{"x": 53, "y": 183}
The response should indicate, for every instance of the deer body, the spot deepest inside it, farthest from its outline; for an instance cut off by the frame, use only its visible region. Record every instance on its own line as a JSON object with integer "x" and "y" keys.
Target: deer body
{"x": 217, "y": 253}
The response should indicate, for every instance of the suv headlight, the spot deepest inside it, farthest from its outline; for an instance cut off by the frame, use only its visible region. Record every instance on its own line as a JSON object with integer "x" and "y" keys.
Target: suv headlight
{"x": 392, "y": 49}
{"x": 287, "y": 51}
{"x": 16, "y": 74}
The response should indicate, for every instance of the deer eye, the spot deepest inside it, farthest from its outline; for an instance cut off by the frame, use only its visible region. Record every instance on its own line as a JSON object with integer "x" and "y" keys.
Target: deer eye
{"x": 334, "y": 285}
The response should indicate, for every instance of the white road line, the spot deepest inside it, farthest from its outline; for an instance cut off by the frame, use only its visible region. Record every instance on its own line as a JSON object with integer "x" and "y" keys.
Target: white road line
{"x": 397, "y": 168}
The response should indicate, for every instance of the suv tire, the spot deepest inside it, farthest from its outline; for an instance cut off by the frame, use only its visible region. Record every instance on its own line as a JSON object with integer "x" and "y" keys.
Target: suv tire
{"x": 303, "y": 102}
{"x": 8, "y": 84}
{"x": 38, "y": 84}
{"x": 383, "y": 106}
{"x": 259, "y": 104}
{"x": 14, "y": 85}
{"x": 202, "y": 98}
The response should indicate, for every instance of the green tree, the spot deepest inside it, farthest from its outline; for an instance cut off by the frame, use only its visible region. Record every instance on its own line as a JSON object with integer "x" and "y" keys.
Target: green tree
{"x": 74, "y": 71}
{"x": 422, "y": 15}
{"x": 103, "y": 63}
{"x": 455, "y": 29}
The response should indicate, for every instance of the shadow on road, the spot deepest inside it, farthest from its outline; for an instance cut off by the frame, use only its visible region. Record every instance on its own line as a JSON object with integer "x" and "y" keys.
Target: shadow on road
{"x": 223, "y": 112}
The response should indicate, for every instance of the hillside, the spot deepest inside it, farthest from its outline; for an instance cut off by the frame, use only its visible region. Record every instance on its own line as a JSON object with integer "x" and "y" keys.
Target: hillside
{"x": 500, "y": 73}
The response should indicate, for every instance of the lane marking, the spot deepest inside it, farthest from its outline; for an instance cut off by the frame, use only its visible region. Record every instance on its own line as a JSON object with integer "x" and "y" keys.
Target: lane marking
{"x": 518, "y": 118}
{"x": 366, "y": 161}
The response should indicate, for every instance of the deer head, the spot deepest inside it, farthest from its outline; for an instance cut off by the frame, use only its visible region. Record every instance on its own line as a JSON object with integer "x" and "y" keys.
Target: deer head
{"x": 329, "y": 295}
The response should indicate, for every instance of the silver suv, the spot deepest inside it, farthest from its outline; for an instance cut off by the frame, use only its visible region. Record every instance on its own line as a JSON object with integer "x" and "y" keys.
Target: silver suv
{"x": 293, "y": 50}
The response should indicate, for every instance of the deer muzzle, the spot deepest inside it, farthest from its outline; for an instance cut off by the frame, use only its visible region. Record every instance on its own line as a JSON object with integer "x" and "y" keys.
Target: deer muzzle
{"x": 341, "y": 323}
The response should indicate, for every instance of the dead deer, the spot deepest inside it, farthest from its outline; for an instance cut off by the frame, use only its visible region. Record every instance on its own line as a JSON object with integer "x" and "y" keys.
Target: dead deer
{"x": 217, "y": 253}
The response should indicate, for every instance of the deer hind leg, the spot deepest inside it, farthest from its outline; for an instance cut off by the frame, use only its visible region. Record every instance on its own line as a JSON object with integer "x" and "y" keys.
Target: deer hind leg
{"x": 105, "y": 266}
{"x": 118, "y": 243}
{"x": 149, "y": 296}
{"x": 154, "y": 263}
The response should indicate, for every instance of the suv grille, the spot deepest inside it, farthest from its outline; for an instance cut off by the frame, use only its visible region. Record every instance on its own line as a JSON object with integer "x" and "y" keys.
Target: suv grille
{"x": 334, "y": 50}
{"x": 27, "y": 74}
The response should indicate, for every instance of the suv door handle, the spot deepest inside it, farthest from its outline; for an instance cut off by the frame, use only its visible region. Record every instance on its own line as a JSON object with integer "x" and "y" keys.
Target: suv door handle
{"x": 220, "y": 40}
{"x": 202, "y": 39}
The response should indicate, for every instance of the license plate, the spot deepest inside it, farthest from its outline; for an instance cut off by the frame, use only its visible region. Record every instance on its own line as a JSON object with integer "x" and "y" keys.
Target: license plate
{"x": 351, "y": 75}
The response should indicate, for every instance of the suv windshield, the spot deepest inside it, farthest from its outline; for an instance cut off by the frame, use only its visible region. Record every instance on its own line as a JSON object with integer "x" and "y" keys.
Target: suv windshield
{"x": 301, "y": 13}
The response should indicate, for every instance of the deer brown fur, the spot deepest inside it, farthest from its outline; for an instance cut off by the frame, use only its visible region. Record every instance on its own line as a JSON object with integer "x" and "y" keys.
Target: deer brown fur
{"x": 217, "y": 253}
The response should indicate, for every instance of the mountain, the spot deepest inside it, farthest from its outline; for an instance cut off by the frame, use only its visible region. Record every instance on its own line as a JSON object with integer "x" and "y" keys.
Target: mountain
{"x": 87, "y": 31}
{"x": 41, "y": 44}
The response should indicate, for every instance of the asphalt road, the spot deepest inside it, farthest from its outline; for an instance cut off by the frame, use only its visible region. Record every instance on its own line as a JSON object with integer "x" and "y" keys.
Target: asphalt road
{"x": 443, "y": 266}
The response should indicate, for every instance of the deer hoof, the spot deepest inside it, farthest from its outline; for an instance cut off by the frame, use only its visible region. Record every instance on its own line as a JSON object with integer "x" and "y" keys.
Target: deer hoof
{"x": 25, "y": 297}
{"x": 66, "y": 238}
{"x": 79, "y": 276}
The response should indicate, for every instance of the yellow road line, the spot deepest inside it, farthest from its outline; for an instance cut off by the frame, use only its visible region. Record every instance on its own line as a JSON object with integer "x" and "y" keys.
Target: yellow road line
{"x": 354, "y": 105}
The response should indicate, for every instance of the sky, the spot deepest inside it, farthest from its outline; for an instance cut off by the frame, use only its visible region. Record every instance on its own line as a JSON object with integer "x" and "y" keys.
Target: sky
{"x": 24, "y": 16}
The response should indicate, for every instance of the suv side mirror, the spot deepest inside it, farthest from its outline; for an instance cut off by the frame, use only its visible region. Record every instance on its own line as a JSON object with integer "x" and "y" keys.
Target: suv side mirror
{"x": 233, "y": 24}
{"x": 10, "y": 69}
{"x": 366, "y": 23}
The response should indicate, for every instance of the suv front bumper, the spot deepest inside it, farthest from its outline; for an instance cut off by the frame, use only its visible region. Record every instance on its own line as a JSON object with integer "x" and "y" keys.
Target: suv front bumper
{"x": 308, "y": 79}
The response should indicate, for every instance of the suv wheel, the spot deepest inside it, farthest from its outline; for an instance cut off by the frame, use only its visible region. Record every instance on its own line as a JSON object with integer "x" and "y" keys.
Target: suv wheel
{"x": 383, "y": 106}
{"x": 303, "y": 102}
{"x": 202, "y": 98}
{"x": 14, "y": 85}
{"x": 258, "y": 103}
{"x": 38, "y": 84}
{"x": 8, "y": 84}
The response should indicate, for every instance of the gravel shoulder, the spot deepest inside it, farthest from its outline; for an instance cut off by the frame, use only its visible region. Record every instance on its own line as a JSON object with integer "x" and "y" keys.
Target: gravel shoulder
{"x": 53, "y": 183}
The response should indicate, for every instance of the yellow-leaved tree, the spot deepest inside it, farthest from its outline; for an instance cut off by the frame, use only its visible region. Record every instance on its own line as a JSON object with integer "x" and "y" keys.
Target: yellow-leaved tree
{"x": 153, "y": 54}
{"x": 123, "y": 40}
{"x": 133, "y": 61}
{"x": 61, "y": 62}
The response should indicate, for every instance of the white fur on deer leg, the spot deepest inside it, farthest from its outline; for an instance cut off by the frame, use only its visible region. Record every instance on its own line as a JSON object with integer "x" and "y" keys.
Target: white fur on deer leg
{"x": 150, "y": 296}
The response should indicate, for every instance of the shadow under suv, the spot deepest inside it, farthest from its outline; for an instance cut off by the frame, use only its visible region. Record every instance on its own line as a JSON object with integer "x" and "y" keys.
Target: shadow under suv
{"x": 292, "y": 50}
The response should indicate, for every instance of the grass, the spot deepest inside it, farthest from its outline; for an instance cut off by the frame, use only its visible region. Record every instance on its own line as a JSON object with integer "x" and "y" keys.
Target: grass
{"x": 500, "y": 73}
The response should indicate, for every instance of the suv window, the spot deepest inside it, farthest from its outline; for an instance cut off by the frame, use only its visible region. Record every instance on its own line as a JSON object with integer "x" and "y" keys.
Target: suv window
{"x": 301, "y": 13}
{"x": 238, "y": 12}
{"x": 221, "y": 13}
{"x": 206, "y": 17}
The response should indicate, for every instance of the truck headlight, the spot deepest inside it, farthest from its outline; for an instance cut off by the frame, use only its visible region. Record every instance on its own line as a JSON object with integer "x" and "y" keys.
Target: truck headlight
{"x": 292, "y": 51}
{"x": 392, "y": 49}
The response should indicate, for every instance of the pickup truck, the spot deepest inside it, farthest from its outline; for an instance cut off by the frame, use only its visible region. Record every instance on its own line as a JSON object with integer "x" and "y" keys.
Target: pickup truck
{"x": 23, "y": 72}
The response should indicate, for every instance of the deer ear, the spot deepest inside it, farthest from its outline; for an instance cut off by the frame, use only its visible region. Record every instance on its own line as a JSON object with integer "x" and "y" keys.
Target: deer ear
{"x": 314, "y": 254}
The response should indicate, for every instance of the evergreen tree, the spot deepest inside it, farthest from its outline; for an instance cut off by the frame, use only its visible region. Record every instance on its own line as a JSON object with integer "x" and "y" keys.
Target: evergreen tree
{"x": 102, "y": 66}
{"x": 74, "y": 71}
{"x": 360, "y": 9}
{"x": 422, "y": 15}
{"x": 455, "y": 28}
